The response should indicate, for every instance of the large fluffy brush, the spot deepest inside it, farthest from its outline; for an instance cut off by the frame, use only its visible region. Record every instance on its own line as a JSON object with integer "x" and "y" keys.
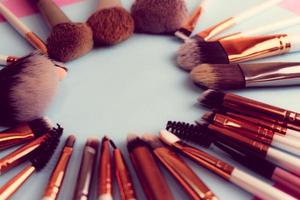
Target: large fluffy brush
{"x": 159, "y": 16}
{"x": 111, "y": 23}
{"x": 27, "y": 88}
{"x": 238, "y": 76}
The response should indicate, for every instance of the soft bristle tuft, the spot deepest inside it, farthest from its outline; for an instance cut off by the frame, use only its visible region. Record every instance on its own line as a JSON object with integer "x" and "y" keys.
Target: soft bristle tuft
{"x": 40, "y": 126}
{"x": 212, "y": 52}
{"x": 208, "y": 116}
{"x": 218, "y": 76}
{"x": 111, "y": 26}
{"x": 188, "y": 55}
{"x": 211, "y": 98}
{"x": 153, "y": 141}
{"x": 134, "y": 141}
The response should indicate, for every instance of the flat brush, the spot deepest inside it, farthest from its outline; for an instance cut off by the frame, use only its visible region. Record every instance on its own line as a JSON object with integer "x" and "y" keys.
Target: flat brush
{"x": 199, "y": 135}
{"x": 228, "y": 172}
{"x": 185, "y": 176}
{"x": 188, "y": 27}
{"x": 24, "y": 132}
{"x": 67, "y": 40}
{"x": 239, "y": 76}
{"x": 151, "y": 178}
{"x": 22, "y": 29}
{"x": 237, "y": 50}
{"x": 111, "y": 23}
{"x": 38, "y": 160}
{"x": 219, "y": 100}
{"x": 124, "y": 179}
{"x": 57, "y": 177}
{"x": 159, "y": 16}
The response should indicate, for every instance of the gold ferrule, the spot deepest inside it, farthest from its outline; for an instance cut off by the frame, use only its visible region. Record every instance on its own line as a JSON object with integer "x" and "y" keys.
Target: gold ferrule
{"x": 211, "y": 32}
{"x": 192, "y": 21}
{"x": 231, "y": 36}
{"x": 251, "y": 48}
{"x": 36, "y": 41}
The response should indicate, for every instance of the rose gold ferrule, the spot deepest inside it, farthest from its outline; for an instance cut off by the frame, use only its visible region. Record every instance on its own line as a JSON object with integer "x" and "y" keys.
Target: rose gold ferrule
{"x": 211, "y": 32}
{"x": 20, "y": 155}
{"x": 105, "y": 169}
{"x": 250, "y": 48}
{"x": 230, "y": 36}
{"x": 192, "y": 21}
{"x": 7, "y": 190}
{"x": 36, "y": 41}
{"x": 193, "y": 185}
{"x": 205, "y": 160}
{"x": 11, "y": 59}
{"x": 124, "y": 179}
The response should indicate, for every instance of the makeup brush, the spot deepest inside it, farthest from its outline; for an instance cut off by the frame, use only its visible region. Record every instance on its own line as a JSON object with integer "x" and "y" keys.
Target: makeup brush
{"x": 57, "y": 177}
{"x": 22, "y": 29}
{"x": 87, "y": 168}
{"x": 267, "y": 28}
{"x": 217, "y": 99}
{"x": 5, "y": 60}
{"x": 189, "y": 26}
{"x": 67, "y": 40}
{"x": 266, "y": 136}
{"x": 185, "y": 176}
{"x": 105, "y": 180}
{"x": 228, "y": 172}
{"x": 124, "y": 179}
{"x": 38, "y": 160}
{"x": 111, "y": 23}
{"x": 201, "y": 136}
{"x": 239, "y": 76}
{"x": 27, "y": 88}
{"x": 24, "y": 132}
{"x": 236, "y": 50}
{"x": 151, "y": 178}
{"x": 22, "y": 154}
{"x": 159, "y": 16}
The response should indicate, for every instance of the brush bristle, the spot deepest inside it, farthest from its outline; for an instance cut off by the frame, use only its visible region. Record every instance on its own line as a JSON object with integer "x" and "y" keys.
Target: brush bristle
{"x": 190, "y": 132}
{"x": 93, "y": 143}
{"x": 153, "y": 141}
{"x": 159, "y": 16}
{"x": 40, "y": 126}
{"x": 188, "y": 55}
{"x": 70, "y": 141}
{"x": 111, "y": 26}
{"x": 134, "y": 141}
{"x": 212, "y": 98}
{"x": 69, "y": 41}
{"x": 45, "y": 151}
{"x": 208, "y": 116}
{"x": 113, "y": 144}
{"x": 27, "y": 88}
{"x": 218, "y": 76}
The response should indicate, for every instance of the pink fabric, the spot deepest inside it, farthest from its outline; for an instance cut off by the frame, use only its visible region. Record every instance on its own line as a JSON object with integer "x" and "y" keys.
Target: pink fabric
{"x": 24, "y": 8}
{"x": 292, "y": 5}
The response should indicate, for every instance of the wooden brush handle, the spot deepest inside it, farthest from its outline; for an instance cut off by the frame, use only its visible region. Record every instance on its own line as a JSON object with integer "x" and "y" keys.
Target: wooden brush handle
{"x": 51, "y": 12}
{"x": 108, "y": 4}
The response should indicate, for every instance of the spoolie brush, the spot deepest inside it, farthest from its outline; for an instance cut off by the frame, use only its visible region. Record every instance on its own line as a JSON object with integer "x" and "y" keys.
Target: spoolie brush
{"x": 27, "y": 88}
{"x": 111, "y": 23}
{"x": 159, "y": 16}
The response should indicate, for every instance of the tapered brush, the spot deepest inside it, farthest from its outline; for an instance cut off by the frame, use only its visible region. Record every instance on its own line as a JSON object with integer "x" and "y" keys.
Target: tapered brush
{"x": 38, "y": 159}
{"x": 239, "y": 76}
{"x": 68, "y": 40}
{"x": 189, "y": 26}
{"x": 159, "y": 16}
{"x": 27, "y": 88}
{"x": 111, "y": 23}
{"x": 237, "y": 50}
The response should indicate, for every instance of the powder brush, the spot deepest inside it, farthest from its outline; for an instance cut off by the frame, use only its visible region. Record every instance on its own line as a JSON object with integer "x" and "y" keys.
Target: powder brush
{"x": 239, "y": 75}
{"x": 38, "y": 159}
{"x": 226, "y": 171}
{"x": 111, "y": 23}
{"x": 67, "y": 40}
{"x": 159, "y": 16}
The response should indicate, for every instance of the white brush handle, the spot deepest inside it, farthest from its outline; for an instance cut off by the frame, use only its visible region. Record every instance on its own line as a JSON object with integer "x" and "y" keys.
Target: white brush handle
{"x": 286, "y": 144}
{"x": 257, "y": 187}
{"x": 295, "y": 42}
{"x": 284, "y": 160}
{"x": 13, "y": 20}
{"x": 3, "y": 59}
{"x": 255, "y": 10}
{"x": 293, "y": 133}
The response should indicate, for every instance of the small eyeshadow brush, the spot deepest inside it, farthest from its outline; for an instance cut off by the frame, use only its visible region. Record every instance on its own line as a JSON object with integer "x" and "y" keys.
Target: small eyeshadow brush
{"x": 5, "y": 60}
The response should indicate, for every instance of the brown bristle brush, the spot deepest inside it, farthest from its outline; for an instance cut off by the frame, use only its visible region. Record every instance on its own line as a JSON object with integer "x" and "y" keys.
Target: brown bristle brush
{"x": 111, "y": 23}
{"x": 68, "y": 40}
{"x": 159, "y": 16}
{"x": 238, "y": 76}
{"x": 27, "y": 88}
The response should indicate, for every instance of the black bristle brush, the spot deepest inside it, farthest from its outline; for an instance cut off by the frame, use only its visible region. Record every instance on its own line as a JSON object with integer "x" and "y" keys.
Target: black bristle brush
{"x": 38, "y": 159}
{"x": 27, "y": 88}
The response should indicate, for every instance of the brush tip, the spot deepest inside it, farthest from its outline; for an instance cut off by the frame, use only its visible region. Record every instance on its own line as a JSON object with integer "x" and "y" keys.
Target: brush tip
{"x": 168, "y": 137}
{"x": 113, "y": 144}
{"x": 188, "y": 55}
{"x": 152, "y": 140}
{"x": 93, "y": 142}
{"x": 211, "y": 98}
{"x": 70, "y": 141}
{"x": 134, "y": 141}
{"x": 208, "y": 116}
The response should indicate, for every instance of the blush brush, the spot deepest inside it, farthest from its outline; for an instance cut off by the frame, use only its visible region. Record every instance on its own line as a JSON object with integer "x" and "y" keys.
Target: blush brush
{"x": 111, "y": 23}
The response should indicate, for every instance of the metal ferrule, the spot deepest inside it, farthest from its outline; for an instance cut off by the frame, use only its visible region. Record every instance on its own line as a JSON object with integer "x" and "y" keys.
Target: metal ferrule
{"x": 251, "y": 48}
{"x": 271, "y": 74}
{"x": 231, "y": 36}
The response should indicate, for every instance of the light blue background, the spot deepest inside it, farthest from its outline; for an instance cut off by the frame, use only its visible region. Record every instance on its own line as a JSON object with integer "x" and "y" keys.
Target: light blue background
{"x": 135, "y": 87}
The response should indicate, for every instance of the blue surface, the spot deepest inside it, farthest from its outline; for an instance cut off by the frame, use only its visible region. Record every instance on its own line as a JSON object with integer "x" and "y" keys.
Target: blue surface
{"x": 135, "y": 87}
